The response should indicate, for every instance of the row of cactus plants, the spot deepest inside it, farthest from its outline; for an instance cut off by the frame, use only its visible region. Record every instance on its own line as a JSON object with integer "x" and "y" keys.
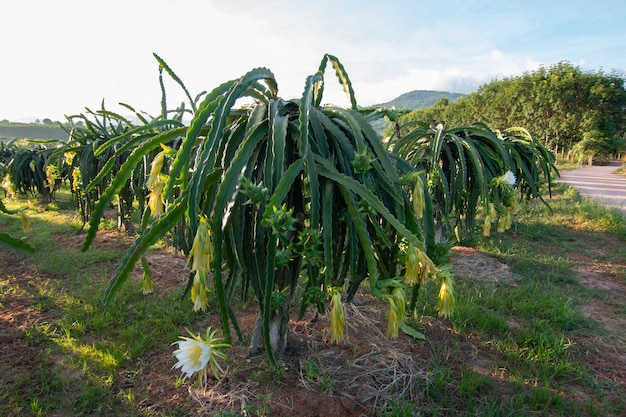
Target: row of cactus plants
{"x": 290, "y": 202}
{"x": 286, "y": 201}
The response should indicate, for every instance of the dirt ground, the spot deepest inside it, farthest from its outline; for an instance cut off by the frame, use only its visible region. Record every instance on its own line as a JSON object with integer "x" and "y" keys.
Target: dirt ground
{"x": 316, "y": 378}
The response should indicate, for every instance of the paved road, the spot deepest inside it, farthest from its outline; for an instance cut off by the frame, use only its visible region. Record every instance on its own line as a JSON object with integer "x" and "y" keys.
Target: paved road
{"x": 599, "y": 183}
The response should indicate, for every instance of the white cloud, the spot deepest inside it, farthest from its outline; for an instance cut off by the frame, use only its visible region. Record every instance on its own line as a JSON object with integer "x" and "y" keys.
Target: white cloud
{"x": 78, "y": 52}
{"x": 458, "y": 75}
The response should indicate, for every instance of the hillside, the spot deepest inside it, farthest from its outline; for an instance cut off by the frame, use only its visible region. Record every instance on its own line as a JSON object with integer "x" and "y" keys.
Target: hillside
{"x": 419, "y": 98}
{"x": 413, "y": 100}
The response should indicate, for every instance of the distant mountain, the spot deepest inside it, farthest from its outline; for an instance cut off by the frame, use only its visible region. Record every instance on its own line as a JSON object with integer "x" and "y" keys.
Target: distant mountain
{"x": 419, "y": 98}
{"x": 413, "y": 100}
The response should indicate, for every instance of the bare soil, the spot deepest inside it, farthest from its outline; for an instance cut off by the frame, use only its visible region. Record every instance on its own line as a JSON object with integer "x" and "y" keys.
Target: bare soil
{"x": 316, "y": 378}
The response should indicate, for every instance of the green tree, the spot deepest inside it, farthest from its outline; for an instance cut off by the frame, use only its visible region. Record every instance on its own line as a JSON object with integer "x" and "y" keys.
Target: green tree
{"x": 559, "y": 105}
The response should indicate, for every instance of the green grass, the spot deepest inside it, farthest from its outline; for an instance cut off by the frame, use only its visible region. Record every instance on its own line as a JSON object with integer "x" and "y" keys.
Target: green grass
{"x": 83, "y": 344}
{"x": 543, "y": 251}
{"x": 530, "y": 334}
{"x": 531, "y": 325}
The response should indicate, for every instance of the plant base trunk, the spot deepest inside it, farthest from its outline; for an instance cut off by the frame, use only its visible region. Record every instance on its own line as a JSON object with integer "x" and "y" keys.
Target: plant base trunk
{"x": 440, "y": 233}
{"x": 124, "y": 222}
{"x": 279, "y": 332}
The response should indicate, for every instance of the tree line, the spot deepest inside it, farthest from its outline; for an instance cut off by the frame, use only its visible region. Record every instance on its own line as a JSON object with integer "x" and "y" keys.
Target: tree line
{"x": 44, "y": 131}
{"x": 577, "y": 114}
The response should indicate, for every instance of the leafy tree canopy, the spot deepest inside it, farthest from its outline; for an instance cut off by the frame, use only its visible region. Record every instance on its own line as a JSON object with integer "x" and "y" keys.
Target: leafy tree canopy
{"x": 560, "y": 105}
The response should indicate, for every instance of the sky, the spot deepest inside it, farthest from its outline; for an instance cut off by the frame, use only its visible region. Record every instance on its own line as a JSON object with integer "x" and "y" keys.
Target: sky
{"x": 59, "y": 58}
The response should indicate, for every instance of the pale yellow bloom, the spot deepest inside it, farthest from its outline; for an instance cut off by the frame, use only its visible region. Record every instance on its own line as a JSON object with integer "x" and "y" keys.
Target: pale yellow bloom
{"x": 196, "y": 354}
{"x": 508, "y": 178}
{"x": 193, "y": 356}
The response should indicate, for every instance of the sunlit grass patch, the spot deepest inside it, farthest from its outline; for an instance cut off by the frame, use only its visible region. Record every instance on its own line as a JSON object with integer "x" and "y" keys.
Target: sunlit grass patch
{"x": 514, "y": 346}
{"x": 536, "y": 321}
{"x": 572, "y": 213}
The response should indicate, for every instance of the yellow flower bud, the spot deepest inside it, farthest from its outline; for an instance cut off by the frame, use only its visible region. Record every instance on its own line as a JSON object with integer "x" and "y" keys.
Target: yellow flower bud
{"x": 427, "y": 266}
{"x": 199, "y": 292}
{"x": 155, "y": 199}
{"x": 445, "y": 304}
{"x": 417, "y": 198}
{"x": 337, "y": 318}
{"x": 155, "y": 170}
{"x": 201, "y": 255}
{"x": 490, "y": 216}
{"x": 501, "y": 224}
{"x": 76, "y": 179}
{"x": 68, "y": 157}
{"x": 51, "y": 176}
{"x": 399, "y": 296}
{"x": 26, "y": 226}
{"x": 396, "y": 311}
{"x": 8, "y": 185}
{"x": 487, "y": 226}
{"x": 418, "y": 266}
{"x": 412, "y": 266}
{"x": 393, "y": 318}
{"x": 147, "y": 285}
{"x": 509, "y": 220}
{"x": 505, "y": 221}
